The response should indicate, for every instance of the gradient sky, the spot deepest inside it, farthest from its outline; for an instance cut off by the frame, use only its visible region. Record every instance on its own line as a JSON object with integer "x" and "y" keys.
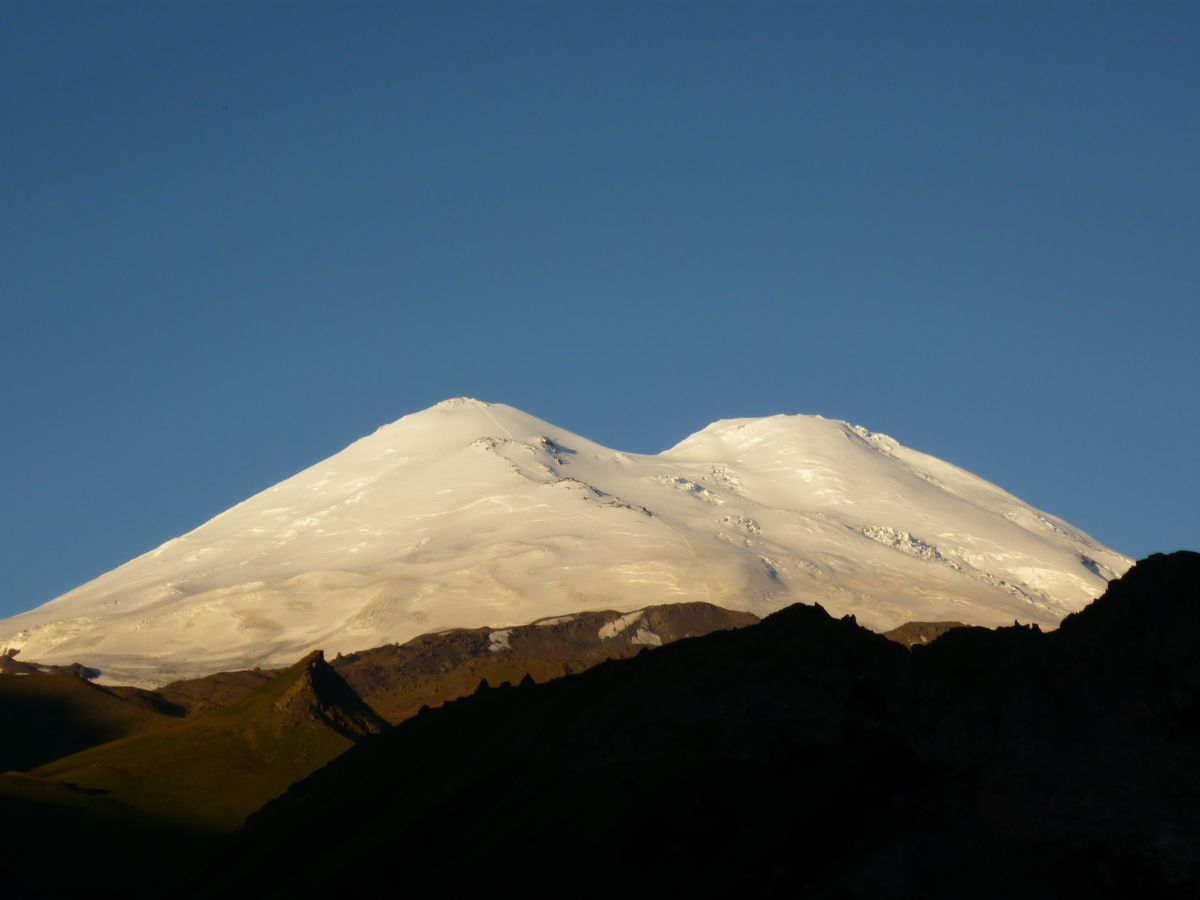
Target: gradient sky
{"x": 236, "y": 237}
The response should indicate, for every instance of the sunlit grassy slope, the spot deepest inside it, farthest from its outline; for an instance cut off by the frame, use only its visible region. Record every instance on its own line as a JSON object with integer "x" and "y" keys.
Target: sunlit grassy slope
{"x": 211, "y": 771}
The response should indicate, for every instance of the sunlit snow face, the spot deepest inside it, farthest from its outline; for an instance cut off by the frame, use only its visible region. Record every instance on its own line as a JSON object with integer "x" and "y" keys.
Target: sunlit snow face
{"x": 470, "y": 514}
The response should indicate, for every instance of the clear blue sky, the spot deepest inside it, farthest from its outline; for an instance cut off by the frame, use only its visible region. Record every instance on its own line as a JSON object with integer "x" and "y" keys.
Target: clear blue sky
{"x": 236, "y": 237}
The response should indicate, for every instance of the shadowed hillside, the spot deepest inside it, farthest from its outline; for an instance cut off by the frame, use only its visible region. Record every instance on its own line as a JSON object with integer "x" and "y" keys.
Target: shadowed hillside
{"x": 209, "y": 772}
{"x": 801, "y": 756}
{"x": 48, "y": 715}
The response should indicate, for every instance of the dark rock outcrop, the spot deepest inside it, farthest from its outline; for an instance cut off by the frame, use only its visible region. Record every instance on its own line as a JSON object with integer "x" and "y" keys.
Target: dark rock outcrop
{"x": 911, "y": 633}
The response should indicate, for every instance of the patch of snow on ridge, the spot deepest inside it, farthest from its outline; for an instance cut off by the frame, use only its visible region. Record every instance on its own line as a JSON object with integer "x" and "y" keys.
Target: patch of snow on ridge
{"x": 643, "y": 636}
{"x": 554, "y": 620}
{"x": 498, "y": 640}
{"x": 610, "y": 630}
{"x": 646, "y": 638}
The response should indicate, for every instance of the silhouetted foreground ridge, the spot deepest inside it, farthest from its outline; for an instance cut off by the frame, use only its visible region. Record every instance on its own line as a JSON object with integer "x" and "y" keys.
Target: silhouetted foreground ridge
{"x": 801, "y": 756}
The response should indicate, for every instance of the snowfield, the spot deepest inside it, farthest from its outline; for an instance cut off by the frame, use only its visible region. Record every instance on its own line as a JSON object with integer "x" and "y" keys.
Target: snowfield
{"x": 470, "y": 514}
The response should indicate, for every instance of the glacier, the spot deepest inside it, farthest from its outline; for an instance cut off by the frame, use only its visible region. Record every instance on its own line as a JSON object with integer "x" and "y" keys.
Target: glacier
{"x": 474, "y": 514}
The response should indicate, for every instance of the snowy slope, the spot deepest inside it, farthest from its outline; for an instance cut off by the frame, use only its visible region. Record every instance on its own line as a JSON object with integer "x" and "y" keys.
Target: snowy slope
{"x": 470, "y": 514}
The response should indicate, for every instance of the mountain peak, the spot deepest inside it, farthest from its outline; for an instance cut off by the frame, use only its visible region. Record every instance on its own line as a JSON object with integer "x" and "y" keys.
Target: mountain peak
{"x": 311, "y": 691}
{"x": 471, "y": 514}
{"x": 460, "y": 403}
{"x": 791, "y": 432}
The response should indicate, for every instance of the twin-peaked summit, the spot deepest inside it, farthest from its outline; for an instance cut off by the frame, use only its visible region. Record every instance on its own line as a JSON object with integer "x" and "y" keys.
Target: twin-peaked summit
{"x": 470, "y": 514}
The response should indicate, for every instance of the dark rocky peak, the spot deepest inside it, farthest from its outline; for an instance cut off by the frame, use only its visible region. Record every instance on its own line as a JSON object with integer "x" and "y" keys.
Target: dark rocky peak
{"x": 1154, "y": 607}
{"x": 312, "y": 691}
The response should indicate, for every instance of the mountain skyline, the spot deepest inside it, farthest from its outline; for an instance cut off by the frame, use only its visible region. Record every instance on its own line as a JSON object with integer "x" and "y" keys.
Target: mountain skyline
{"x": 11, "y": 607}
{"x": 471, "y": 514}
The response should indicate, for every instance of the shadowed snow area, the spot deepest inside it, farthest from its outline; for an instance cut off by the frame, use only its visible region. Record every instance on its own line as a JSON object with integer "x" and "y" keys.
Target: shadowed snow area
{"x": 470, "y": 514}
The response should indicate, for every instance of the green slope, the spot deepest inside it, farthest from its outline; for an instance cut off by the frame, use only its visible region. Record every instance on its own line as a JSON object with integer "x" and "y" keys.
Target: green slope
{"x": 47, "y": 716}
{"x": 209, "y": 772}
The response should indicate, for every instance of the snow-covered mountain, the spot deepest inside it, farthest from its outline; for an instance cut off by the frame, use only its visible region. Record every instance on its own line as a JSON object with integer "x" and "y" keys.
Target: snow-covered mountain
{"x": 472, "y": 514}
